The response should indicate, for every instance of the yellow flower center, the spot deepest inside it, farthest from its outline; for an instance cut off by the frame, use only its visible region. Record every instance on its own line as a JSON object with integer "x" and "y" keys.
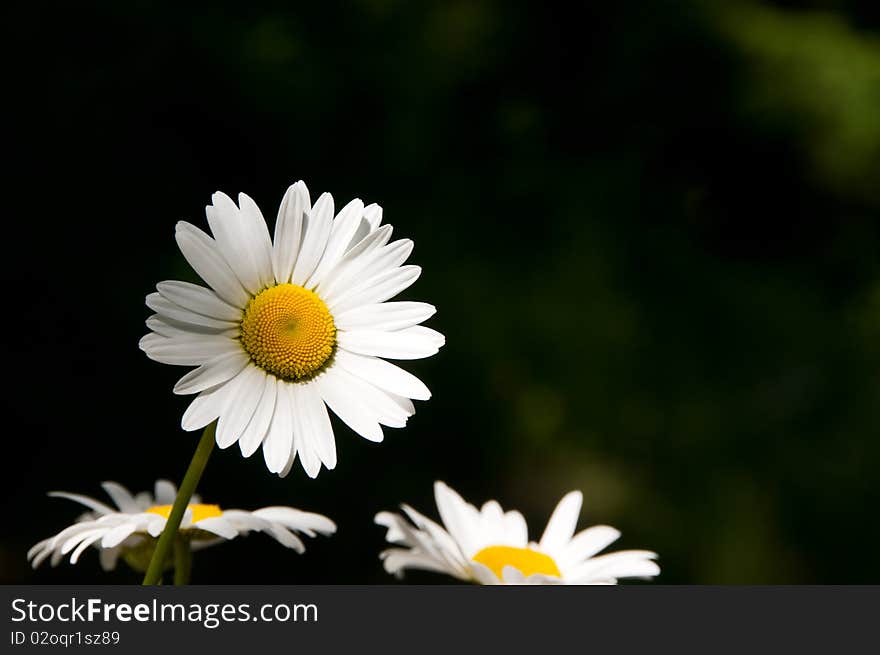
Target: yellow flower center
{"x": 526, "y": 560}
{"x": 199, "y": 511}
{"x": 288, "y": 331}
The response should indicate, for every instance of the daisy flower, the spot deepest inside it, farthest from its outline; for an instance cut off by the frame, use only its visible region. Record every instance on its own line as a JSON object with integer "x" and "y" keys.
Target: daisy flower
{"x": 131, "y": 528}
{"x": 288, "y": 327}
{"x": 491, "y": 546}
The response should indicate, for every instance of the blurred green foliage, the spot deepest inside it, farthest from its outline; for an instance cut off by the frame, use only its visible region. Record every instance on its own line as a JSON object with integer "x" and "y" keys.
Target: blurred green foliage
{"x": 815, "y": 79}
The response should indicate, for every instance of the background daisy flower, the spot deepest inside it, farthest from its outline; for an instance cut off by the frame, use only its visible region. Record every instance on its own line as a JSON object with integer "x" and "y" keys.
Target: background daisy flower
{"x": 132, "y": 528}
{"x": 291, "y": 326}
{"x": 491, "y": 546}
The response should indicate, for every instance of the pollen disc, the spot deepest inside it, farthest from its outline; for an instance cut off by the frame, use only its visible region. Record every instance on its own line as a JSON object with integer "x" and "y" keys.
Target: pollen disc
{"x": 199, "y": 511}
{"x": 289, "y": 332}
{"x": 528, "y": 561}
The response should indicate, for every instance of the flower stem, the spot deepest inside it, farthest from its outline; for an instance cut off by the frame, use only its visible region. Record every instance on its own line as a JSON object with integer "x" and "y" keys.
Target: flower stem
{"x": 187, "y": 487}
{"x": 182, "y": 560}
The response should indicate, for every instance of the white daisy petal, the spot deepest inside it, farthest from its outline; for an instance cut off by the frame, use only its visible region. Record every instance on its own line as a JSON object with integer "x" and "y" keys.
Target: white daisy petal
{"x": 234, "y": 240}
{"x": 169, "y": 327}
{"x": 364, "y": 274}
{"x": 187, "y": 520}
{"x": 363, "y": 250}
{"x": 386, "y": 409}
{"x": 373, "y": 215}
{"x": 281, "y": 522}
{"x": 207, "y": 406}
{"x": 286, "y": 538}
{"x": 243, "y": 400}
{"x": 121, "y": 496}
{"x": 483, "y": 574}
{"x": 39, "y": 553}
{"x": 117, "y": 535}
{"x": 433, "y": 539}
{"x": 87, "y": 523}
{"x": 211, "y": 373}
{"x": 279, "y": 440}
{"x": 404, "y": 403}
{"x": 353, "y": 412}
{"x": 411, "y": 343}
{"x": 344, "y": 227}
{"x": 622, "y": 564}
{"x": 318, "y": 422}
{"x": 156, "y": 525}
{"x": 288, "y": 230}
{"x": 257, "y": 237}
{"x": 259, "y": 424}
{"x": 358, "y": 256}
{"x": 144, "y": 499}
{"x": 36, "y": 548}
{"x": 460, "y": 518}
{"x": 385, "y": 316}
{"x": 360, "y": 234}
{"x": 382, "y": 260}
{"x": 57, "y": 556}
{"x": 378, "y": 289}
{"x": 493, "y": 523}
{"x": 316, "y": 233}
{"x": 302, "y": 429}
{"x": 382, "y": 374}
{"x": 165, "y": 492}
{"x": 187, "y": 351}
{"x": 198, "y": 299}
{"x": 202, "y": 253}
{"x": 511, "y": 575}
{"x": 425, "y": 539}
{"x": 78, "y": 538}
{"x": 169, "y": 310}
{"x": 284, "y": 472}
{"x": 81, "y": 548}
{"x": 395, "y": 560}
{"x": 562, "y": 523}
{"x": 515, "y": 529}
{"x": 245, "y": 522}
{"x": 297, "y": 519}
{"x": 588, "y": 542}
{"x": 394, "y": 523}
{"x": 541, "y": 579}
{"x": 91, "y": 503}
{"x": 219, "y": 526}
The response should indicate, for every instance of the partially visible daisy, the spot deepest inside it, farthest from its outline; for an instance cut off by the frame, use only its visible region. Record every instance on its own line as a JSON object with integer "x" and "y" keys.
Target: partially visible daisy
{"x": 132, "y": 529}
{"x": 491, "y": 546}
{"x": 288, "y": 326}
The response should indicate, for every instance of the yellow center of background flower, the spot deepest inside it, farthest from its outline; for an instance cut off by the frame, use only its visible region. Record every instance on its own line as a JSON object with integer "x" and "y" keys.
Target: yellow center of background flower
{"x": 199, "y": 511}
{"x": 288, "y": 331}
{"x": 526, "y": 560}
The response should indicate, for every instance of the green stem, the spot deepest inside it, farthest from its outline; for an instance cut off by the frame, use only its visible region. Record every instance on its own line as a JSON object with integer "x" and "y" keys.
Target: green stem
{"x": 187, "y": 487}
{"x": 183, "y": 560}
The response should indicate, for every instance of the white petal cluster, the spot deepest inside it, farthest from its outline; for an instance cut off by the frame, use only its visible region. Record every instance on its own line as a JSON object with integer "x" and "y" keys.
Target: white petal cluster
{"x": 129, "y": 525}
{"x": 420, "y": 543}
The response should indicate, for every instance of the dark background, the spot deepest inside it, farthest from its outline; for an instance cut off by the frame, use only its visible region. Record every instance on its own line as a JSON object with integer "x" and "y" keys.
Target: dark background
{"x": 650, "y": 228}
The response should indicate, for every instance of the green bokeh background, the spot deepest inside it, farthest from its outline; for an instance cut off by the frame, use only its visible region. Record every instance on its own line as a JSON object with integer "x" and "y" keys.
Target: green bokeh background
{"x": 650, "y": 229}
